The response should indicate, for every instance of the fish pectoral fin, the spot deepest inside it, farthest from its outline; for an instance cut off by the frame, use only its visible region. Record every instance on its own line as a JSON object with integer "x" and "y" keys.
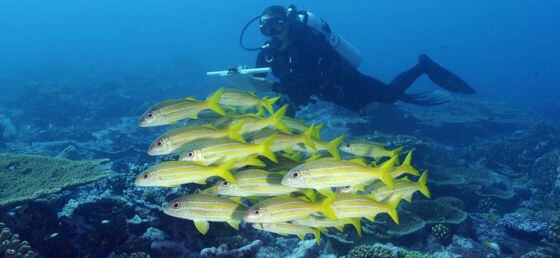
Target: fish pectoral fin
{"x": 234, "y": 224}
{"x": 202, "y": 226}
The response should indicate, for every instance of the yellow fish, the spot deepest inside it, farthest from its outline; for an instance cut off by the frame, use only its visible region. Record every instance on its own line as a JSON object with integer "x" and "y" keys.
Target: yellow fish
{"x": 286, "y": 208}
{"x": 212, "y": 151}
{"x": 296, "y": 125}
{"x": 172, "y": 141}
{"x": 253, "y": 123}
{"x": 176, "y": 173}
{"x": 405, "y": 168}
{"x": 358, "y": 206}
{"x": 324, "y": 222}
{"x": 256, "y": 182}
{"x": 171, "y": 111}
{"x": 403, "y": 189}
{"x": 202, "y": 208}
{"x": 362, "y": 148}
{"x": 285, "y": 229}
{"x": 323, "y": 174}
{"x": 331, "y": 147}
{"x": 283, "y": 142}
{"x": 246, "y": 100}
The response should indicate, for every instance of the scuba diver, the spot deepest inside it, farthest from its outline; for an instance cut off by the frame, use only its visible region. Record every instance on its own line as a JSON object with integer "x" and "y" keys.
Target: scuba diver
{"x": 308, "y": 58}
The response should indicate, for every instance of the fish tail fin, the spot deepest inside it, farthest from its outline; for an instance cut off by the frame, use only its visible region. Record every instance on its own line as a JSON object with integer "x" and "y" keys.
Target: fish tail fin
{"x": 326, "y": 207}
{"x": 423, "y": 181}
{"x": 317, "y": 234}
{"x": 265, "y": 149}
{"x": 396, "y": 151}
{"x": 386, "y": 169}
{"x": 317, "y": 131}
{"x": 277, "y": 120}
{"x": 234, "y": 131}
{"x": 333, "y": 145}
{"x": 409, "y": 168}
{"x": 223, "y": 171}
{"x": 213, "y": 100}
{"x": 308, "y": 136}
{"x": 357, "y": 223}
{"x": 268, "y": 103}
{"x": 392, "y": 209}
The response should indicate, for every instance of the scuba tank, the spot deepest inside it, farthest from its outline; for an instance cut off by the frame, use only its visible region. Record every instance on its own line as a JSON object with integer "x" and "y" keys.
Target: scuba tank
{"x": 343, "y": 48}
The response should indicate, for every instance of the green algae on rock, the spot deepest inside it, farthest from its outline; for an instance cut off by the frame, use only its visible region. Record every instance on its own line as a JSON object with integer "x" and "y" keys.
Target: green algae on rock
{"x": 26, "y": 177}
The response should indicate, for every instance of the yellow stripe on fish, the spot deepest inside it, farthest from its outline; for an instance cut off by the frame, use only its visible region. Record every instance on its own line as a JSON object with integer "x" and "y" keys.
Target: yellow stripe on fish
{"x": 286, "y": 208}
{"x": 202, "y": 208}
{"x": 358, "y": 206}
{"x": 363, "y": 148}
{"x": 172, "y": 111}
{"x": 214, "y": 151}
{"x": 285, "y": 229}
{"x": 257, "y": 182}
{"x": 327, "y": 173}
{"x": 176, "y": 173}
{"x": 246, "y": 100}
{"x": 172, "y": 141}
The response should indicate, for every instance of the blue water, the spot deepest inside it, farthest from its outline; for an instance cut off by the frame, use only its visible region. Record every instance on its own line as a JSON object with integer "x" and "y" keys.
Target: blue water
{"x": 75, "y": 75}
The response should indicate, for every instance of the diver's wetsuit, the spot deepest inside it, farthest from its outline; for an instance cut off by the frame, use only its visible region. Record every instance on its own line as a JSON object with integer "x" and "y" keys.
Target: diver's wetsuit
{"x": 310, "y": 66}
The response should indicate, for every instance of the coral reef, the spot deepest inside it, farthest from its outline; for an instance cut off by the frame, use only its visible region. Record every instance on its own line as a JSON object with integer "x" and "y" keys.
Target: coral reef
{"x": 371, "y": 251}
{"x": 249, "y": 250}
{"x": 442, "y": 233}
{"x": 25, "y": 177}
{"x": 12, "y": 246}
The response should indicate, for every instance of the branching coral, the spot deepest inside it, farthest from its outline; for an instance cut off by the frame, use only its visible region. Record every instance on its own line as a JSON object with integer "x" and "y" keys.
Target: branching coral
{"x": 26, "y": 177}
{"x": 12, "y": 246}
{"x": 442, "y": 233}
{"x": 370, "y": 251}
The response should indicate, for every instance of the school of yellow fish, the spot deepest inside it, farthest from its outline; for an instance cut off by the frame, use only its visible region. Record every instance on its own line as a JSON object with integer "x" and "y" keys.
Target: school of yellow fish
{"x": 271, "y": 170}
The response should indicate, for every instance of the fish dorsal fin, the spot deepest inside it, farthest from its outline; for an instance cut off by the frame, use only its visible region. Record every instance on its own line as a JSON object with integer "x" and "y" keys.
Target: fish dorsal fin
{"x": 202, "y": 226}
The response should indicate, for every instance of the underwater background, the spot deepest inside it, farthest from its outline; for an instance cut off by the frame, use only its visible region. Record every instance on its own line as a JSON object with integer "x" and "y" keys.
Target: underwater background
{"x": 75, "y": 77}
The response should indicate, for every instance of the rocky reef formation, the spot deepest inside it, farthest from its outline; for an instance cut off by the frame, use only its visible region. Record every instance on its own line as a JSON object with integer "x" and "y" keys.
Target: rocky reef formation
{"x": 11, "y": 246}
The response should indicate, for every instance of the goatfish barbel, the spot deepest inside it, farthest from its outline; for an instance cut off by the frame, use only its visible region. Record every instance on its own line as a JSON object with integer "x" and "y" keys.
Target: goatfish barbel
{"x": 322, "y": 174}
{"x": 212, "y": 151}
{"x": 176, "y": 173}
{"x": 257, "y": 182}
{"x": 287, "y": 208}
{"x": 322, "y": 223}
{"x": 285, "y": 229}
{"x": 246, "y": 100}
{"x": 202, "y": 208}
{"x": 361, "y": 148}
{"x": 172, "y": 111}
{"x": 172, "y": 141}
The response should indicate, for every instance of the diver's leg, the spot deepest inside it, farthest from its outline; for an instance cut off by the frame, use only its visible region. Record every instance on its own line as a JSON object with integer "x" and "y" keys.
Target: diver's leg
{"x": 443, "y": 77}
{"x": 404, "y": 80}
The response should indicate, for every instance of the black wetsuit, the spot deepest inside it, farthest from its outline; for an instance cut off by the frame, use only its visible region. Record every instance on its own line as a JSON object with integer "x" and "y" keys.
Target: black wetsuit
{"x": 310, "y": 66}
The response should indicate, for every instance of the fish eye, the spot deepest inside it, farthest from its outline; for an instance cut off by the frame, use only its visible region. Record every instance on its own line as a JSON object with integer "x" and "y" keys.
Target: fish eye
{"x": 348, "y": 145}
{"x": 190, "y": 154}
{"x": 295, "y": 175}
{"x": 150, "y": 115}
{"x": 159, "y": 143}
{"x": 256, "y": 212}
{"x": 225, "y": 183}
{"x": 176, "y": 205}
{"x": 145, "y": 176}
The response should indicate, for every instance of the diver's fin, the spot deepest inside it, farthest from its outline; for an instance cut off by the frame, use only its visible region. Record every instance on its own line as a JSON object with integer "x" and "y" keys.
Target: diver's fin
{"x": 443, "y": 77}
{"x": 428, "y": 98}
